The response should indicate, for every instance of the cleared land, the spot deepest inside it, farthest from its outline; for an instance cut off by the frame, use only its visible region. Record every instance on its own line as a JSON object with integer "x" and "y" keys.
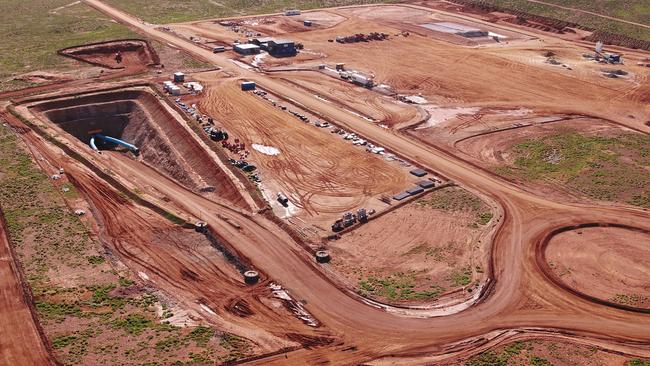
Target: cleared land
{"x": 605, "y": 163}
{"x": 322, "y": 174}
{"x": 606, "y": 263}
{"x": 126, "y": 267}
{"x": 434, "y": 246}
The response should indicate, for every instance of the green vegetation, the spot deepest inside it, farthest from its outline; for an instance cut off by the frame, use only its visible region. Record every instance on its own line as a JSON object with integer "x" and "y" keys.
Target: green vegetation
{"x": 32, "y": 31}
{"x": 538, "y": 361}
{"x": 484, "y": 218}
{"x": 488, "y": 358}
{"x": 633, "y": 10}
{"x": 629, "y": 299}
{"x": 461, "y": 277}
{"x": 53, "y": 244}
{"x": 59, "y": 311}
{"x": 398, "y": 286}
{"x": 236, "y": 346}
{"x": 133, "y": 324}
{"x": 605, "y": 168}
{"x": 638, "y": 362}
{"x": 452, "y": 199}
{"x": 96, "y": 259}
{"x": 201, "y": 335}
{"x": 494, "y": 358}
{"x": 173, "y": 11}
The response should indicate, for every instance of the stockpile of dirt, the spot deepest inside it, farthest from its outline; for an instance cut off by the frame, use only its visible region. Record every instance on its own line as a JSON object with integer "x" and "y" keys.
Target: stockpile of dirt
{"x": 135, "y": 53}
{"x": 137, "y": 117}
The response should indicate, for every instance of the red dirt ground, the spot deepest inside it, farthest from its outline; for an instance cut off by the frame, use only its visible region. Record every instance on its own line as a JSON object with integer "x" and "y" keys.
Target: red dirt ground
{"x": 607, "y": 263}
{"x": 164, "y": 143}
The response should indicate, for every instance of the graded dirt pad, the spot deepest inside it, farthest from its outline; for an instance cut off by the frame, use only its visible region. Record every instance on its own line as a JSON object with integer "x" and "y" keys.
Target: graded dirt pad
{"x": 381, "y": 109}
{"x": 580, "y": 156}
{"x": 419, "y": 252}
{"x": 136, "y": 54}
{"x": 321, "y": 174}
{"x": 494, "y": 147}
{"x": 137, "y": 117}
{"x": 278, "y": 25}
{"x": 608, "y": 263}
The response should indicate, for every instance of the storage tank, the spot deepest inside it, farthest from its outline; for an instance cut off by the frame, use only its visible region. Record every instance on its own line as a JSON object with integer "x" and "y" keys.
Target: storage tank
{"x": 179, "y": 77}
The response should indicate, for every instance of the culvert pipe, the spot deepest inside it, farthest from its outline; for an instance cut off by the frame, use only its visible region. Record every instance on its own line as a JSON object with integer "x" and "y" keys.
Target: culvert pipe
{"x": 92, "y": 144}
{"x": 119, "y": 142}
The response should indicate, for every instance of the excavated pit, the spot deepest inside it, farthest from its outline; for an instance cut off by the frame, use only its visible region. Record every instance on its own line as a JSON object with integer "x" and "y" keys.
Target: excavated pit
{"x": 139, "y": 118}
{"x": 136, "y": 53}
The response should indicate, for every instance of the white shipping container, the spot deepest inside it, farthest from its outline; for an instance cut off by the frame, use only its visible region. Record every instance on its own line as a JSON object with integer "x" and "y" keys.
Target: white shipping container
{"x": 361, "y": 79}
{"x": 175, "y": 90}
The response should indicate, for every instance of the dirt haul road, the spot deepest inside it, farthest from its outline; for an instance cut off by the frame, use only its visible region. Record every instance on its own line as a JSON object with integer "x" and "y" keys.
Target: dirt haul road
{"x": 521, "y": 298}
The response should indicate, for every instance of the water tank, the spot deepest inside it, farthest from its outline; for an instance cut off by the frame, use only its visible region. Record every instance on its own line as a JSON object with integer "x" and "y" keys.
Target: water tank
{"x": 322, "y": 256}
{"x": 251, "y": 277}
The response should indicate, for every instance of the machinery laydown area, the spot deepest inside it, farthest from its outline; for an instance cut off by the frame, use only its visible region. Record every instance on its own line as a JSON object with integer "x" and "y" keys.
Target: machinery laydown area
{"x": 410, "y": 187}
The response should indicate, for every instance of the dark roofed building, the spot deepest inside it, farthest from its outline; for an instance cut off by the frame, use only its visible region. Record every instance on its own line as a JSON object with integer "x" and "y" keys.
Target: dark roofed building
{"x": 401, "y": 196}
{"x": 426, "y": 184}
{"x": 263, "y": 42}
{"x": 419, "y": 172}
{"x": 282, "y": 48}
{"x": 415, "y": 190}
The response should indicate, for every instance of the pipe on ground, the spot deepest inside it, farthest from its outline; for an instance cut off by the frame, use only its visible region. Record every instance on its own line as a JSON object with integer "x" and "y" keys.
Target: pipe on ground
{"x": 92, "y": 144}
{"x": 119, "y": 142}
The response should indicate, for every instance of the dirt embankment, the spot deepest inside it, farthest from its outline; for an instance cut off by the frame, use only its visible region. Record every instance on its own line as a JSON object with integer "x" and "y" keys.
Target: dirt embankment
{"x": 138, "y": 117}
{"x": 25, "y": 344}
{"x": 433, "y": 247}
{"x": 552, "y": 25}
{"x": 135, "y": 53}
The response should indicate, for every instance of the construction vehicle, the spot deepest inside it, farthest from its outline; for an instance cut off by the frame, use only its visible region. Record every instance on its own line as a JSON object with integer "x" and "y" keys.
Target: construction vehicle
{"x": 338, "y": 225}
{"x": 361, "y": 214}
{"x": 284, "y": 201}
